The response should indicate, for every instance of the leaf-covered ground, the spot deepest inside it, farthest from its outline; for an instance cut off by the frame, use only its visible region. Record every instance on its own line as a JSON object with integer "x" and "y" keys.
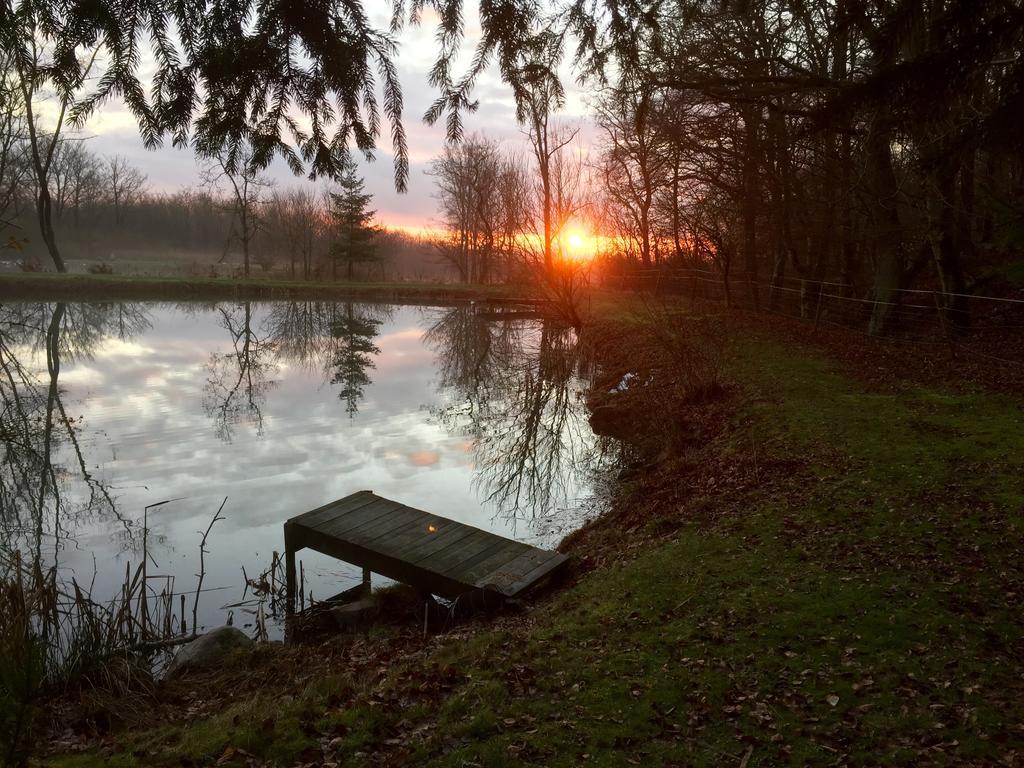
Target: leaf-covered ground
{"x": 833, "y": 579}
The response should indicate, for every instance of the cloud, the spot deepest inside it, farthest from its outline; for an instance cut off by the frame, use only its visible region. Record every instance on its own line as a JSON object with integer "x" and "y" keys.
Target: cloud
{"x": 114, "y": 130}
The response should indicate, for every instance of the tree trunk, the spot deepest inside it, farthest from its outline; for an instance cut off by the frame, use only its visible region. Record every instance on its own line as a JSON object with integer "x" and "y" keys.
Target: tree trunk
{"x": 44, "y": 211}
{"x": 846, "y": 216}
{"x": 751, "y": 200}
{"x": 942, "y": 233}
{"x": 245, "y": 242}
{"x": 44, "y": 214}
{"x": 549, "y": 260}
{"x": 645, "y": 237}
{"x": 888, "y": 232}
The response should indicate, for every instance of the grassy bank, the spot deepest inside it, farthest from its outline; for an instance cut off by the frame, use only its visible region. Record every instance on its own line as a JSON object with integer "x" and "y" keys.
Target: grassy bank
{"x": 832, "y": 578}
{"x": 64, "y": 287}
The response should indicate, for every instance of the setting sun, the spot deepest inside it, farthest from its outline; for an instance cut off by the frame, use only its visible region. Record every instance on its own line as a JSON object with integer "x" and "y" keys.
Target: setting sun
{"x": 579, "y": 245}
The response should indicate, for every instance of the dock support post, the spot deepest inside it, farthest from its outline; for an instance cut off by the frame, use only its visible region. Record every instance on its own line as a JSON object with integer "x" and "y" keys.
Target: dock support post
{"x": 289, "y": 559}
{"x": 366, "y": 582}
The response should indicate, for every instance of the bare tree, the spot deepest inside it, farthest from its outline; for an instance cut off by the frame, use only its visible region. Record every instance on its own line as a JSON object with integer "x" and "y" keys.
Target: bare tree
{"x": 34, "y": 74}
{"x": 294, "y": 222}
{"x": 42, "y": 456}
{"x": 77, "y": 178}
{"x": 543, "y": 95}
{"x": 238, "y": 381}
{"x": 477, "y": 190}
{"x": 634, "y": 161}
{"x": 13, "y": 158}
{"x": 247, "y": 190}
{"x": 282, "y": 229}
{"x": 514, "y": 386}
{"x": 123, "y": 183}
{"x": 560, "y": 197}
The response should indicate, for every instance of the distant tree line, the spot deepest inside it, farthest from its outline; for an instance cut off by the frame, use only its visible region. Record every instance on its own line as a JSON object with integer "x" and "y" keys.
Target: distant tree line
{"x": 60, "y": 200}
{"x": 102, "y": 212}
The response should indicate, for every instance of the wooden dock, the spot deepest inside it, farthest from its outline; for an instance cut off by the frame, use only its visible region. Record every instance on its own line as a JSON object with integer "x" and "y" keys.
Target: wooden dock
{"x": 429, "y": 552}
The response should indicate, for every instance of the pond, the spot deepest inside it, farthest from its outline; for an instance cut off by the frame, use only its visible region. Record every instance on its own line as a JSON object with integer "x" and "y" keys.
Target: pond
{"x": 126, "y": 426}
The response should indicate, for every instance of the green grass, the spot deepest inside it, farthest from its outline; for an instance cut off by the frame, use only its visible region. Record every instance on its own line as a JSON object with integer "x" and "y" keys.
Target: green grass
{"x": 48, "y": 286}
{"x": 860, "y": 606}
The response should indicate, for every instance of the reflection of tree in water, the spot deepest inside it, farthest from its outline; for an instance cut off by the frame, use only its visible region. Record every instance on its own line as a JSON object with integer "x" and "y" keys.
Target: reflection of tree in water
{"x": 337, "y": 339}
{"x": 237, "y": 382}
{"x": 516, "y": 387}
{"x": 35, "y": 426}
{"x": 300, "y": 331}
{"x": 352, "y": 355}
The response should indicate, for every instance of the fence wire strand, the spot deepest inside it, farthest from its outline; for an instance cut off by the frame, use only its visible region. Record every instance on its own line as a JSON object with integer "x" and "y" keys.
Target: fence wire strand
{"x": 911, "y": 320}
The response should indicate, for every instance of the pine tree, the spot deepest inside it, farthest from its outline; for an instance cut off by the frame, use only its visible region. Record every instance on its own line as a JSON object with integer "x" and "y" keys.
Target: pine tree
{"x": 354, "y": 230}
{"x": 354, "y": 350}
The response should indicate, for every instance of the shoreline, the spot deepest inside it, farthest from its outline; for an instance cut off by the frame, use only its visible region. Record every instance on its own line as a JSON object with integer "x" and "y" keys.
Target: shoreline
{"x": 65, "y": 287}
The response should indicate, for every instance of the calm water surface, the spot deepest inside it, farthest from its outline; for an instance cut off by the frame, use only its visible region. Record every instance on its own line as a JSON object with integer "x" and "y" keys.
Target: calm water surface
{"x": 279, "y": 407}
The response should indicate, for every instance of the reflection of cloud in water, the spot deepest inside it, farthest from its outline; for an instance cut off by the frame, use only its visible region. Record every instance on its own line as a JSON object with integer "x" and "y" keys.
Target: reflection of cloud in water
{"x": 83, "y": 376}
{"x": 114, "y": 347}
{"x": 424, "y": 458}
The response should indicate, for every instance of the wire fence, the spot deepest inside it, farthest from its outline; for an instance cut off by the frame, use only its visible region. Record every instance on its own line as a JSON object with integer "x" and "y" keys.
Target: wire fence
{"x": 987, "y": 327}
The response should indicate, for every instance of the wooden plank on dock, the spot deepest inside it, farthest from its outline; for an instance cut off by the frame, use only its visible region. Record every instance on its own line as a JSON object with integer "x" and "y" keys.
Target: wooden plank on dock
{"x": 432, "y": 553}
